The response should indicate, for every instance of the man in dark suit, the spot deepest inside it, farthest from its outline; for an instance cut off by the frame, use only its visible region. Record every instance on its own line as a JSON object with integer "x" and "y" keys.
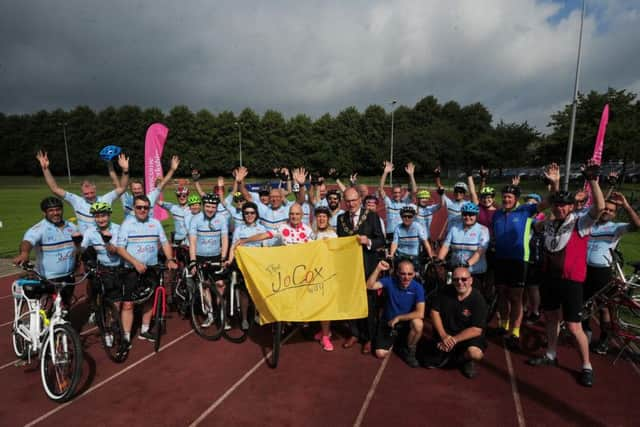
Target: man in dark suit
{"x": 358, "y": 221}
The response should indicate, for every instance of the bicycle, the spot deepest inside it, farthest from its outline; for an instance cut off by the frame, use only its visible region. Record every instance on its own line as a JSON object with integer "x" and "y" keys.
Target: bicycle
{"x": 207, "y": 314}
{"x": 49, "y": 336}
{"x": 237, "y": 332}
{"x": 158, "y": 323}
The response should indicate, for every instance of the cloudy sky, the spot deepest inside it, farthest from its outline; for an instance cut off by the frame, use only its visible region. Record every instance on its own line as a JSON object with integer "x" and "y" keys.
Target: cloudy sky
{"x": 517, "y": 57}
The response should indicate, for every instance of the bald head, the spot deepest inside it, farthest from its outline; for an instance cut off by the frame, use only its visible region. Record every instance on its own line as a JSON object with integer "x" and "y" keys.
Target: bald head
{"x": 295, "y": 214}
{"x": 352, "y": 199}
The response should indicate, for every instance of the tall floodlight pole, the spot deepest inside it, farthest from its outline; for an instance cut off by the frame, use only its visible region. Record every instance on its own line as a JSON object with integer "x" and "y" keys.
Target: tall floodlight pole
{"x": 574, "y": 106}
{"x": 393, "y": 104}
{"x": 239, "y": 124}
{"x": 66, "y": 147}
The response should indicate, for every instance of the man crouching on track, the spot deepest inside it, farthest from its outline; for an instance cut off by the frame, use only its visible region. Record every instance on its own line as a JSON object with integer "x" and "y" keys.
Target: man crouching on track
{"x": 403, "y": 310}
{"x": 459, "y": 318}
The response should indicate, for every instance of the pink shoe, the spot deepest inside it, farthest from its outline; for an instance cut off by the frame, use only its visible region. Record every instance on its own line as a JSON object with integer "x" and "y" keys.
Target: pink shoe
{"x": 318, "y": 336}
{"x": 325, "y": 342}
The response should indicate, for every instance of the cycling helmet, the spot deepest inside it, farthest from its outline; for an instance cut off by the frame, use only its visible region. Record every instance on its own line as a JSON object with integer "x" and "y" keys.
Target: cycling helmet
{"x": 460, "y": 186}
{"x": 470, "y": 207}
{"x": 100, "y": 207}
{"x": 322, "y": 210}
{"x": 238, "y": 197}
{"x": 511, "y": 189}
{"x": 182, "y": 190}
{"x": 488, "y": 191}
{"x": 109, "y": 152}
{"x": 334, "y": 193}
{"x": 211, "y": 199}
{"x": 193, "y": 199}
{"x": 533, "y": 196}
{"x": 407, "y": 210}
{"x": 423, "y": 194}
{"x": 562, "y": 198}
{"x": 50, "y": 202}
{"x": 264, "y": 190}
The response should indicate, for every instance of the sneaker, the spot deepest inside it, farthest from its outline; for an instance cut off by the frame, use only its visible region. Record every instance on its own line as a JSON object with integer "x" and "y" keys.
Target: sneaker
{"x": 410, "y": 358}
{"x": 227, "y": 326}
{"x": 586, "y": 377}
{"x": 326, "y": 344}
{"x": 543, "y": 360}
{"x": 147, "y": 336}
{"x": 108, "y": 340}
{"x": 209, "y": 321}
{"x": 512, "y": 343}
{"x": 601, "y": 347}
{"x": 318, "y": 336}
{"x": 245, "y": 325}
{"x": 469, "y": 369}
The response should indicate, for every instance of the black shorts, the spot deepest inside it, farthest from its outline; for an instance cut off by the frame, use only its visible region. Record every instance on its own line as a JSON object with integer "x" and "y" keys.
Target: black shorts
{"x": 560, "y": 293}
{"x": 433, "y": 355}
{"x": 108, "y": 283}
{"x": 385, "y": 338}
{"x": 534, "y": 275}
{"x": 131, "y": 281}
{"x": 210, "y": 271}
{"x": 597, "y": 278}
{"x": 510, "y": 272}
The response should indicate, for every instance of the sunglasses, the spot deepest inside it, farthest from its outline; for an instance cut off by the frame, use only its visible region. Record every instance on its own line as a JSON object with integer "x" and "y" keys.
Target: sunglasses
{"x": 249, "y": 213}
{"x": 407, "y": 216}
{"x": 581, "y": 201}
{"x": 141, "y": 208}
{"x": 468, "y": 214}
{"x": 461, "y": 279}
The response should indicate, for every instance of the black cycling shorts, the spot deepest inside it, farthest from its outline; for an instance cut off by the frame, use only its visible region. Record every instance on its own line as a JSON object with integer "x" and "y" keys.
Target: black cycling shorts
{"x": 597, "y": 278}
{"x": 560, "y": 293}
{"x": 131, "y": 281}
{"x": 510, "y": 272}
{"x": 109, "y": 282}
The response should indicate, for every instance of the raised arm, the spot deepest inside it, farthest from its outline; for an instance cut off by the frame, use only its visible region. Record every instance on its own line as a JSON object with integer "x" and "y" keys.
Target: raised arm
{"x": 43, "y": 159}
{"x": 334, "y": 174}
{"x": 195, "y": 176}
{"x": 300, "y": 177}
{"x": 388, "y": 168}
{"x": 620, "y": 200}
{"x": 410, "y": 169}
{"x": 436, "y": 174}
{"x": 175, "y": 162}
{"x": 472, "y": 188}
{"x": 123, "y": 162}
{"x": 591, "y": 172}
{"x": 372, "y": 280}
{"x": 552, "y": 174}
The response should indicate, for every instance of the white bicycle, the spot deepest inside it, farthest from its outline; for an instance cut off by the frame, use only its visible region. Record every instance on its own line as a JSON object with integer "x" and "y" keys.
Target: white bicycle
{"x": 51, "y": 338}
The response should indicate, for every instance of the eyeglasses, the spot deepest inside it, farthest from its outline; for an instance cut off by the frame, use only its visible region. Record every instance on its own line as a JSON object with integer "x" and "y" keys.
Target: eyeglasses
{"x": 351, "y": 200}
{"x": 461, "y": 279}
{"x": 407, "y": 216}
{"x": 580, "y": 201}
{"x": 141, "y": 208}
{"x": 249, "y": 212}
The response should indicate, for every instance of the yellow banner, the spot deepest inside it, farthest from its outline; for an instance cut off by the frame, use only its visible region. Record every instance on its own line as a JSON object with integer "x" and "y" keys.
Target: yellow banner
{"x": 321, "y": 280}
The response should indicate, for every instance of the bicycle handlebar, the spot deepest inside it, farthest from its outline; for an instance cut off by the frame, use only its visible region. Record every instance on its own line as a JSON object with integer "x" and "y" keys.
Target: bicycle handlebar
{"x": 30, "y": 268}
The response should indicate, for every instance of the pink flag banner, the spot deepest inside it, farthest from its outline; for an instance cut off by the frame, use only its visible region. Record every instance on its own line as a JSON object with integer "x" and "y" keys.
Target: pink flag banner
{"x": 599, "y": 146}
{"x": 153, "y": 145}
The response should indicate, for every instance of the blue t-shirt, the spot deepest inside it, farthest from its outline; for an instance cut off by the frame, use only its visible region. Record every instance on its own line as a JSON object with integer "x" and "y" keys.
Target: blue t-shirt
{"x": 393, "y": 210}
{"x": 177, "y": 213}
{"x": 604, "y": 237}
{"x": 82, "y": 208}
{"x": 512, "y": 232}
{"x": 425, "y": 216}
{"x": 399, "y": 300}
{"x": 209, "y": 233}
{"x": 463, "y": 243}
{"x": 409, "y": 239}
{"x": 244, "y": 231}
{"x": 141, "y": 239}
{"x": 92, "y": 237}
{"x": 54, "y": 248}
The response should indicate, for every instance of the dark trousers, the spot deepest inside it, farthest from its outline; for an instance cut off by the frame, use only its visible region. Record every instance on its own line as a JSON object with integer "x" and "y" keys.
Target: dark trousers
{"x": 365, "y": 329}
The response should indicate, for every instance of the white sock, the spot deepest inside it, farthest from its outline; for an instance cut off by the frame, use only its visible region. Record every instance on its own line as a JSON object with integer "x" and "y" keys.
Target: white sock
{"x": 144, "y": 328}
{"x": 127, "y": 336}
{"x": 587, "y": 366}
{"x": 551, "y": 354}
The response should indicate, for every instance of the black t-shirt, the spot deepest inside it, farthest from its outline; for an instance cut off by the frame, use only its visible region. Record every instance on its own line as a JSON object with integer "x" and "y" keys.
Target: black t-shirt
{"x": 460, "y": 315}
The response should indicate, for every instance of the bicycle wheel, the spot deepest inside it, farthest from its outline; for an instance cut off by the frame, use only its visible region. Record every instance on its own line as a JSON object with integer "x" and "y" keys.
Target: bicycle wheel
{"x": 236, "y": 334}
{"x": 20, "y": 344}
{"x": 60, "y": 377}
{"x": 207, "y": 319}
{"x": 159, "y": 322}
{"x": 111, "y": 332}
{"x": 275, "y": 350}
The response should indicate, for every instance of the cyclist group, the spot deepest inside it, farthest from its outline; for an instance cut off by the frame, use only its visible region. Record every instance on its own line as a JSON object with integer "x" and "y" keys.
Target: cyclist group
{"x": 551, "y": 263}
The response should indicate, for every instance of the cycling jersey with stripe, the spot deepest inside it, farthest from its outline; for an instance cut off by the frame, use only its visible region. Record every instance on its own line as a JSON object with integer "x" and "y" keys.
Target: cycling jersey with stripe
{"x": 244, "y": 231}
{"x": 425, "y": 216}
{"x": 141, "y": 239}
{"x": 82, "y": 208}
{"x": 604, "y": 237}
{"x": 54, "y": 248}
{"x": 271, "y": 219}
{"x": 453, "y": 208}
{"x": 463, "y": 243}
{"x": 177, "y": 212}
{"x": 409, "y": 239}
{"x": 127, "y": 202}
{"x": 209, "y": 233}
{"x": 565, "y": 246}
{"x": 93, "y": 237}
{"x": 393, "y": 210}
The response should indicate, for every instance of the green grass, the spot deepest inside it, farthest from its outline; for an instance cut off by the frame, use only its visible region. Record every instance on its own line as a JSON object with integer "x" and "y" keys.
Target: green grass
{"x": 21, "y": 197}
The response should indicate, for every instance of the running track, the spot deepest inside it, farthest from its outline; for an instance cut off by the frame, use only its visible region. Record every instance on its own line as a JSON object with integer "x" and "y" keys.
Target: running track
{"x": 196, "y": 382}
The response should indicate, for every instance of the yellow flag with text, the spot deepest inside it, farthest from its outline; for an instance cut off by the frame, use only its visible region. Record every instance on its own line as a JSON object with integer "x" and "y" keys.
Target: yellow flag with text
{"x": 320, "y": 280}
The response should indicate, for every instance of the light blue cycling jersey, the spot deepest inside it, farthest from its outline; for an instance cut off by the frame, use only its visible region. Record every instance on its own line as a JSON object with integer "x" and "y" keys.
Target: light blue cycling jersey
{"x": 393, "y": 211}
{"x": 235, "y": 214}
{"x": 453, "y": 208}
{"x": 127, "y": 202}
{"x": 464, "y": 243}
{"x": 244, "y": 231}
{"x": 604, "y": 237}
{"x": 54, "y": 248}
{"x": 141, "y": 239}
{"x": 92, "y": 237}
{"x": 425, "y": 215}
{"x": 209, "y": 233}
{"x": 306, "y": 213}
{"x": 409, "y": 239}
{"x": 177, "y": 212}
{"x": 82, "y": 208}
{"x": 271, "y": 219}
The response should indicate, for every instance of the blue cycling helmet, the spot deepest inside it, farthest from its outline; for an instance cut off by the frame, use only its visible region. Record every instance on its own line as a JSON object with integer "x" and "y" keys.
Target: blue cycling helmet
{"x": 470, "y": 207}
{"x": 109, "y": 152}
{"x": 533, "y": 196}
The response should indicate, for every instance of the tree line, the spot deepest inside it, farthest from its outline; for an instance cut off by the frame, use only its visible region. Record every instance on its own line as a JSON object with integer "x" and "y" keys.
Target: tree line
{"x": 429, "y": 134}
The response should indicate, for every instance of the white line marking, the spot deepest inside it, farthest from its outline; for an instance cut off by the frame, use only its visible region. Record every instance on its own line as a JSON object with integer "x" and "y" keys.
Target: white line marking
{"x": 237, "y": 384}
{"x": 105, "y": 381}
{"x": 514, "y": 389}
{"x": 6, "y": 296}
{"x": 12, "y": 363}
{"x": 372, "y": 391}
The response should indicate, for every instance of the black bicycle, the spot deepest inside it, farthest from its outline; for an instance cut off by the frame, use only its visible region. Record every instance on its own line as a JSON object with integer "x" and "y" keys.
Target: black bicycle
{"x": 207, "y": 305}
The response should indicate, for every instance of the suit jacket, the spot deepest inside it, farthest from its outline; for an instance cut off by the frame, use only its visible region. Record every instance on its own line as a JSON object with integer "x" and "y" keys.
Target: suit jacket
{"x": 368, "y": 225}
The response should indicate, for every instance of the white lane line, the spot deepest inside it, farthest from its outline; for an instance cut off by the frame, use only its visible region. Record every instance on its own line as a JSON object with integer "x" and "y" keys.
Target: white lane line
{"x": 237, "y": 384}
{"x": 514, "y": 389}
{"x": 6, "y": 296}
{"x": 372, "y": 391}
{"x": 105, "y": 381}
